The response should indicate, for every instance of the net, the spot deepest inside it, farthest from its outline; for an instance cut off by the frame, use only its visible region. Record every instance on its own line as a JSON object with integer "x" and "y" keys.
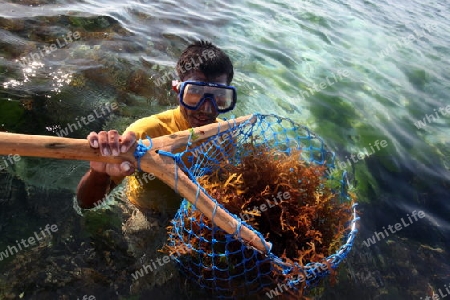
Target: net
{"x": 278, "y": 179}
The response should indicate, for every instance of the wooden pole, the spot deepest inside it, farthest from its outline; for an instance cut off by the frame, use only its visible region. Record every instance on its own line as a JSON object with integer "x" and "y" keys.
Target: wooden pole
{"x": 163, "y": 167}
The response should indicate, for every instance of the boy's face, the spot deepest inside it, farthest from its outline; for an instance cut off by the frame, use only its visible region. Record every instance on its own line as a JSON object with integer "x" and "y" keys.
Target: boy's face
{"x": 206, "y": 113}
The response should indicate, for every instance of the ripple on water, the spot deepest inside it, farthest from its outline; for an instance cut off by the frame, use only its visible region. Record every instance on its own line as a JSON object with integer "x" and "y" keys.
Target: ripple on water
{"x": 280, "y": 50}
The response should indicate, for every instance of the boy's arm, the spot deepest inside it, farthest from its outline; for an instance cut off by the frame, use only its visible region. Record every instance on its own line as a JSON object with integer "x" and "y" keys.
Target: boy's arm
{"x": 96, "y": 183}
{"x": 102, "y": 178}
{"x": 93, "y": 187}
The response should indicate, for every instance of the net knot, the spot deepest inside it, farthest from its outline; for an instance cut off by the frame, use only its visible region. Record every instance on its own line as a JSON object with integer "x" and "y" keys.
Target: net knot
{"x": 141, "y": 150}
{"x": 177, "y": 158}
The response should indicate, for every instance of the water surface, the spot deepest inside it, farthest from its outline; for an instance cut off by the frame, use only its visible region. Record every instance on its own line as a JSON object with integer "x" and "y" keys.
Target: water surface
{"x": 356, "y": 72}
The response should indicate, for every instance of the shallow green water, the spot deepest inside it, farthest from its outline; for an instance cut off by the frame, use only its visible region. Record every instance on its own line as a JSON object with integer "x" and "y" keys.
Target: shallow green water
{"x": 346, "y": 69}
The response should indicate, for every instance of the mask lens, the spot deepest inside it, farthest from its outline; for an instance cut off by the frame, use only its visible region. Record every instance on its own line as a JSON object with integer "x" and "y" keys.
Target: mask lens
{"x": 224, "y": 98}
{"x": 193, "y": 93}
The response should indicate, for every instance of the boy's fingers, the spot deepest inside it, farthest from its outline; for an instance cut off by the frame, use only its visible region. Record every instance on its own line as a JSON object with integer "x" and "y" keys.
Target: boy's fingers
{"x": 103, "y": 143}
{"x": 127, "y": 168}
{"x": 98, "y": 166}
{"x": 113, "y": 139}
{"x": 93, "y": 139}
{"x": 127, "y": 140}
{"x": 112, "y": 169}
{"x": 123, "y": 169}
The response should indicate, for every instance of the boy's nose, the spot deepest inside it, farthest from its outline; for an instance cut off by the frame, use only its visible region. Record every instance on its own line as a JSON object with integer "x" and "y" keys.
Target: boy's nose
{"x": 207, "y": 106}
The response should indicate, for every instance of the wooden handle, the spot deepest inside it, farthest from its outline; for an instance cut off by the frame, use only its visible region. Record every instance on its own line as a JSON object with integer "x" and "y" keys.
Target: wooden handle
{"x": 56, "y": 147}
{"x": 162, "y": 166}
{"x": 79, "y": 149}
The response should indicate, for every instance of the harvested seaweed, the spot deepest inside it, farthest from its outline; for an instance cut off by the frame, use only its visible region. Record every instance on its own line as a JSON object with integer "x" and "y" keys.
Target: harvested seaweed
{"x": 288, "y": 200}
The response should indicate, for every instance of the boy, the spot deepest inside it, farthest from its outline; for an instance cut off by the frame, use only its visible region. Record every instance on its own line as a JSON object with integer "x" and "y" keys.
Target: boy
{"x": 205, "y": 72}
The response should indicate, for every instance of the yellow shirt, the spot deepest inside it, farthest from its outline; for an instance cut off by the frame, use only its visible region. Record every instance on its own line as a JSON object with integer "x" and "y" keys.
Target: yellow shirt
{"x": 143, "y": 190}
{"x": 164, "y": 123}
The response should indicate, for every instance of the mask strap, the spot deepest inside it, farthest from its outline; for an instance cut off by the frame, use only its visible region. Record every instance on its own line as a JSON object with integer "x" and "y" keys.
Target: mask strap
{"x": 176, "y": 85}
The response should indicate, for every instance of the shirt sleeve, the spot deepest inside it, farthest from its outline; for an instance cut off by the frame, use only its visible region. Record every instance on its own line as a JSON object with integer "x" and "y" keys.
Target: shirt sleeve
{"x": 143, "y": 128}
{"x": 149, "y": 126}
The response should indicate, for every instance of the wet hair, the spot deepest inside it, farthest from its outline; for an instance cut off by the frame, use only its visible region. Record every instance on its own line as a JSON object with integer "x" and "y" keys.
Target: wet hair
{"x": 207, "y": 58}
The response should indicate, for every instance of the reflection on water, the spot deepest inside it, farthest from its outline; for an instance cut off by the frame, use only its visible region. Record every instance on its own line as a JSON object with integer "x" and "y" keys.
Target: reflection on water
{"x": 281, "y": 51}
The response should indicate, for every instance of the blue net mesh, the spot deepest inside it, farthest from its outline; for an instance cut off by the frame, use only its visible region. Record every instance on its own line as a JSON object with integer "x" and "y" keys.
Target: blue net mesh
{"x": 223, "y": 263}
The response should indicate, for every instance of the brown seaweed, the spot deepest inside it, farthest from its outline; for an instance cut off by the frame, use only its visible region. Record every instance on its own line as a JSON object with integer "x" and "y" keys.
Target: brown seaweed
{"x": 282, "y": 196}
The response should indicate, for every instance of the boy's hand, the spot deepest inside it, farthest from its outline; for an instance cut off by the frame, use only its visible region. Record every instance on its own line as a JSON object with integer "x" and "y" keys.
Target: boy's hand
{"x": 111, "y": 143}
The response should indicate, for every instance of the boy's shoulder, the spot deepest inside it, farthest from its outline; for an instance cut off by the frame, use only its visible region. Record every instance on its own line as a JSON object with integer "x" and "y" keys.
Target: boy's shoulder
{"x": 163, "y": 123}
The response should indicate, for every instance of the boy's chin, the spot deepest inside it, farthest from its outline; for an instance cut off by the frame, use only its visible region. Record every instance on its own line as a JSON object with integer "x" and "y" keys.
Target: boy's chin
{"x": 197, "y": 122}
